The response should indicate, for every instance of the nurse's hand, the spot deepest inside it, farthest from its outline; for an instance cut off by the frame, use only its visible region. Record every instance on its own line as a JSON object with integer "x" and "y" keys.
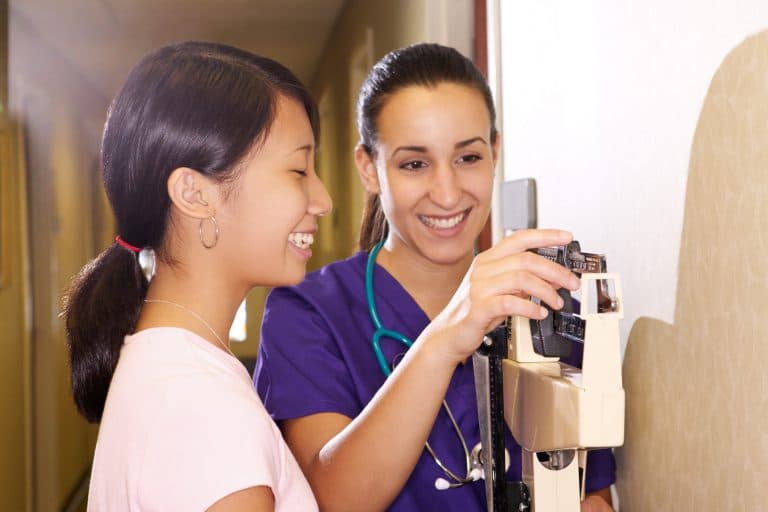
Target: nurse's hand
{"x": 499, "y": 283}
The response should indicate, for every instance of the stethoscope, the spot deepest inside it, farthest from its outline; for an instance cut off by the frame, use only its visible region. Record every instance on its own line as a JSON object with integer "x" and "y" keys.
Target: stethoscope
{"x": 474, "y": 469}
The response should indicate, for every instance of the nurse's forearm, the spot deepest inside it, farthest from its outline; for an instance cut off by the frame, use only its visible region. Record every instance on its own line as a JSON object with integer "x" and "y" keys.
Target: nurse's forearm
{"x": 366, "y": 465}
{"x": 598, "y": 501}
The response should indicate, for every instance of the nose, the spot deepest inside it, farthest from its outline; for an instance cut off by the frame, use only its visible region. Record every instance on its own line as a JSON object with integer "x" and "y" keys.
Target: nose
{"x": 320, "y": 202}
{"x": 445, "y": 188}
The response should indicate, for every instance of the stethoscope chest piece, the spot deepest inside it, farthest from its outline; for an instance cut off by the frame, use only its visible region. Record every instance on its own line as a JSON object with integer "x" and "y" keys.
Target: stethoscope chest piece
{"x": 476, "y": 459}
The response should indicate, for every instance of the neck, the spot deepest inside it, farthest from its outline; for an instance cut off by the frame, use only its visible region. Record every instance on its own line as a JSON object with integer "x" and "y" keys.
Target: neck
{"x": 430, "y": 284}
{"x": 190, "y": 302}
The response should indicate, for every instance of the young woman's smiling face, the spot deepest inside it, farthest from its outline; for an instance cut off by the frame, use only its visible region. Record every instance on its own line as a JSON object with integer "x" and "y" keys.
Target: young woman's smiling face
{"x": 434, "y": 164}
{"x": 270, "y": 218}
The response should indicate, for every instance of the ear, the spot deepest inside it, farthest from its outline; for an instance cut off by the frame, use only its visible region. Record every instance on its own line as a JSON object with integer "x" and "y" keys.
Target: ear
{"x": 496, "y": 147}
{"x": 366, "y": 168}
{"x": 193, "y": 193}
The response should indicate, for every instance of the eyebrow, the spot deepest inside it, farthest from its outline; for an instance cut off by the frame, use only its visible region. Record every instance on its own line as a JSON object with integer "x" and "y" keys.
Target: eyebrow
{"x": 305, "y": 147}
{"x": 423, "y": 149}
{"x": 468, "y": 142}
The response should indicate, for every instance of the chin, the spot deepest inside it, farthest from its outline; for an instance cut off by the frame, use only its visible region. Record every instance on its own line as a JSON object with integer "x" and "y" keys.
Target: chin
{"x": 288, "y": 277}
{"x": 449, "y": 255}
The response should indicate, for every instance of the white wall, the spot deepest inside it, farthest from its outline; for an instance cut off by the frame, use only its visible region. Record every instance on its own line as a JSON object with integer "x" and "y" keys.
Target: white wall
{"x": 600, "y": 101}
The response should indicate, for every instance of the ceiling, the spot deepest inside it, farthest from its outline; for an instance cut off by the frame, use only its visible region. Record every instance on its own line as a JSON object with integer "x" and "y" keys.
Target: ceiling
{"x": 103, "y": 39}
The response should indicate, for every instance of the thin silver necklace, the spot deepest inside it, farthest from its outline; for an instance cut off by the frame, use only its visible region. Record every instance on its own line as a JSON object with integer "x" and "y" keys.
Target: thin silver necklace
{"x": 161, "y": 301}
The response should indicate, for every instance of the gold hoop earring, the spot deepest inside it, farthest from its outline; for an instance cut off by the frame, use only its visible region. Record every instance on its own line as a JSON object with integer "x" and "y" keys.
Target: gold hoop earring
{"x": 215, "y": 233}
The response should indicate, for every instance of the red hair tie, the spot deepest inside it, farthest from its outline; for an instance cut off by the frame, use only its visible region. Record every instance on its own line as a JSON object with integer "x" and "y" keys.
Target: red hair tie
{"x": 123, "y": 243}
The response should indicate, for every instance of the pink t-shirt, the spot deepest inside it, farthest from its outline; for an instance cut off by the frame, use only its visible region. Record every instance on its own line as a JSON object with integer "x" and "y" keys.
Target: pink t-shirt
{"x": 183, "y": 428}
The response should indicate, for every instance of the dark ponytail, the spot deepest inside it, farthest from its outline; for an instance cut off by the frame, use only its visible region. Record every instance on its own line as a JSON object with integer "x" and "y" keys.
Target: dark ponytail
{"x": 424, "y": 64}
{"x": 101, "y": 308}
{"x": 194, "y": 104}
{"x": 374, "y": 226}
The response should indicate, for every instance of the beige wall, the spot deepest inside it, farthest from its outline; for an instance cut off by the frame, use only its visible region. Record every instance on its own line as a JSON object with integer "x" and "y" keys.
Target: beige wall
{"x": 3, "y": 55}
{"x": 696, "y": 401}
{"x": 15, "y": 491}
{"x": 61, "y": 114}
{"x": 15, "y": 399}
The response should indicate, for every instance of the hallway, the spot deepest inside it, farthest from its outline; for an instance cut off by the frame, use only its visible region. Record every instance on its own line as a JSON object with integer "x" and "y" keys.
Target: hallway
{"x": 63, "y": 63}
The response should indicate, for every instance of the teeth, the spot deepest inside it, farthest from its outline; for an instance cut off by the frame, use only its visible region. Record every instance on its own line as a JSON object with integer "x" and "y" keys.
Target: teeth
{"x": 301, "y": 240}
{"x": 443, "y": 223}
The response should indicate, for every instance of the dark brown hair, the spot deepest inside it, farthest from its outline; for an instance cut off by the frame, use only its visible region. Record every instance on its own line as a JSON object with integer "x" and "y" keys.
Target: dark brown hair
{"x": 191, "y": 104}
{"x": 422, "y": 64}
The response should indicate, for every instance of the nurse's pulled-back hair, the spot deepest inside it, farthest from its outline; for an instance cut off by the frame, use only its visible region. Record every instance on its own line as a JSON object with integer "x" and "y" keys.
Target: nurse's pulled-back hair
{"x": 426, "y": 65}
{"x": 199, "y": 105}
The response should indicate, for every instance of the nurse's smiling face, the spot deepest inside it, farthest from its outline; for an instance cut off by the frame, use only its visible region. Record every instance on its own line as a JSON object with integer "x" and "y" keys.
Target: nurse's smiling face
{"x": 433, "y": 169}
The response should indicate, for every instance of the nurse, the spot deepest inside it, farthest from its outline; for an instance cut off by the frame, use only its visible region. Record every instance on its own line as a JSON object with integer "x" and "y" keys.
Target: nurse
{"x": 365, "y": 441}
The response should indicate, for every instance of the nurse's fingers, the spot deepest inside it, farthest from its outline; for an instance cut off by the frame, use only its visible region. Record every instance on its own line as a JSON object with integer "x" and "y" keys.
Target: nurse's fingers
{"x": 521, "y": 285}
{"x": 487, "y": 313}
{"x": 529, "y": 262}
{"x": 527, "y": 239}
{"x": 498, "y": 308}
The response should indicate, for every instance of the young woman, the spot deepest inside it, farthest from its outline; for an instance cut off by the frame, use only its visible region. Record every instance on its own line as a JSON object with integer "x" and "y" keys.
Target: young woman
{"x": 208, "y": 161}
{"x": 426, "y": 157}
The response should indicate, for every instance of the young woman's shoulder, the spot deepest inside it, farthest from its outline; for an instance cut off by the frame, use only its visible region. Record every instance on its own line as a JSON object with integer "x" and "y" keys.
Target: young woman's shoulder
{"x": 215, "y": 436}
{"x": 183, "y": 426}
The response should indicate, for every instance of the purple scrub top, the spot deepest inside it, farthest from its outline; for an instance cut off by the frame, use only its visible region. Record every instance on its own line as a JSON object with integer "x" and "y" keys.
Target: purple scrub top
{"x": 316, "y": 356}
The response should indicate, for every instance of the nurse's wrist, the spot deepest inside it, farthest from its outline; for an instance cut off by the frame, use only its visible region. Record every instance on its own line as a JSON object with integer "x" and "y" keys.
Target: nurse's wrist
{"x": 435, "y": 348}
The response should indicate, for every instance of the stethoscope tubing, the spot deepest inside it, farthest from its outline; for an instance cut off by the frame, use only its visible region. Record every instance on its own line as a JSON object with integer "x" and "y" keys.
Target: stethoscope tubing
{"x": 374, "y": 312}
{"x": 407, "y": 342}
